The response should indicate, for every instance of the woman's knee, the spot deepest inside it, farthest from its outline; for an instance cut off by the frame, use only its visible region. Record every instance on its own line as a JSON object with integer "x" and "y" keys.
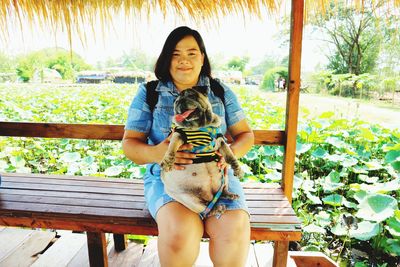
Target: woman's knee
{"x": 178, "y": 226}
{"x": 231, "y": 226}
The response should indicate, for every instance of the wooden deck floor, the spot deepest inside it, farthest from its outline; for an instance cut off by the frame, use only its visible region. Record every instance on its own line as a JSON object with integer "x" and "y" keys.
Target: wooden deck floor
{"x": 24, "y": 247}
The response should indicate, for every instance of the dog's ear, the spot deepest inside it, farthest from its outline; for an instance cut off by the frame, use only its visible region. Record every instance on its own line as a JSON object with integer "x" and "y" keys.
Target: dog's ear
{"x": 201, "y": 89}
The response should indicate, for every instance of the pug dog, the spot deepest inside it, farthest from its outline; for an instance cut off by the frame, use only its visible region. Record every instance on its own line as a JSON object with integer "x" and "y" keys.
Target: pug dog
{"x": 196, "y": 124}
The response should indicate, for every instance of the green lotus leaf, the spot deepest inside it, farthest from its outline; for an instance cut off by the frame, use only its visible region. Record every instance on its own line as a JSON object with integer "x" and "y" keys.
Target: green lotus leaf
{"x": 314, "y": 199}
{"x": 251, "y": 155}
{"x": 69, "y": 157}
{"x": 365, "y": 231}
{"x": 361, "y": 264}
{"x": 3, "y": 165}
{"x": 368, "y": 179}
{"x": 310, "y": 248}
{"x": 319, "y": 153}
{"x": 392, "y": 246}
{"x": 373, "y": 165}
{"x": 302, "y": 148}
{"x": 392, "y": 155}
{"x": 349, "y": 161}
{"x": 335, "y": 141}
{"x": 389, "y": 147}
{"x": 113, "y": 171}
{"x": 376, "y": 207}
{"x": 323, "y": 218}
{"x": 312, "y": 228}
{"x": 393, "y": 226}
{"x": 396, "y": 165}
{"x": 367, "y": 134}
{"x": 297, "y": 181}
{"x": 339, "y": 230}
{"x": 333, "y": 200}
{"x": 359, "y": 169}
{"x": 335, "y": 158}
{"x": 269, "y": 151}
{"x": 308, "y": 186}
{"x": 393, "y": 185}
{"x": 326, "y": 115}
{"x": 17, "y": 161}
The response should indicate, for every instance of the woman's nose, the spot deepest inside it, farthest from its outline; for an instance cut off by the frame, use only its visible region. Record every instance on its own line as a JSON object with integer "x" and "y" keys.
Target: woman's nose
{"x": 183, "y": 58}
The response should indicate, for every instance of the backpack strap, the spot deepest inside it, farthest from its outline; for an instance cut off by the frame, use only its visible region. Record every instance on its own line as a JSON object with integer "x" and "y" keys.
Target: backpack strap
{"x": 217, "y": 89}
{"x": 152, "y": 95}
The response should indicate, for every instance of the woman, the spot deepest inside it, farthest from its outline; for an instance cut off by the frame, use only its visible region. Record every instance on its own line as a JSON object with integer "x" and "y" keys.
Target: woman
{"x": 183, "y": 63}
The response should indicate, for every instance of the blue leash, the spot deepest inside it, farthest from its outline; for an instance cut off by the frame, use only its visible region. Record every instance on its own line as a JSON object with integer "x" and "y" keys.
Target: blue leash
{"x": 211, "y": 204}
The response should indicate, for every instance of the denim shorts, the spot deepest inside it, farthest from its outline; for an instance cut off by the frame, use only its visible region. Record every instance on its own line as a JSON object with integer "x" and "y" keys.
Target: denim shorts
{"x": 156, "y": 197}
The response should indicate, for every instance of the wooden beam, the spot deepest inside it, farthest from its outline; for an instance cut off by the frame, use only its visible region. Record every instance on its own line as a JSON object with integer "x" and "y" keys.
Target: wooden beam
{"x": 102, "y": 132}
{"x": 97, "y": 248}
{"x": 292, "y": 101}
{"x": 120, "y": 242}
{"x": 281, "y": 249}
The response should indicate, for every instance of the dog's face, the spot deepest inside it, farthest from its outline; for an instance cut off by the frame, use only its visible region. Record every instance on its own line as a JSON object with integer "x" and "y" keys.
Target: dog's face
{"x": 193, "y": 109}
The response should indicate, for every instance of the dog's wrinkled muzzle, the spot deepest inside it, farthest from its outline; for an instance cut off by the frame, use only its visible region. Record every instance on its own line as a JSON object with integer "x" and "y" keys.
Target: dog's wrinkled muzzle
{"x": 181, "y": 117}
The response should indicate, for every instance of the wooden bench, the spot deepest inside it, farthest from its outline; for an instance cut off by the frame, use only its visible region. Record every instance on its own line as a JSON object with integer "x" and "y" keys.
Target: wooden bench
{"x": 103, "y": 205}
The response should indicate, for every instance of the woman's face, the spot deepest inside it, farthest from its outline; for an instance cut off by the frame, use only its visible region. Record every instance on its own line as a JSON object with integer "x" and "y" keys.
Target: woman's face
{"x": 186, "y": 63}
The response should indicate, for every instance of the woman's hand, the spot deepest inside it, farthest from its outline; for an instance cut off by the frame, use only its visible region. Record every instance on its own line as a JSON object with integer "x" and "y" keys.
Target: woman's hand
{"x": 182, "y": 157}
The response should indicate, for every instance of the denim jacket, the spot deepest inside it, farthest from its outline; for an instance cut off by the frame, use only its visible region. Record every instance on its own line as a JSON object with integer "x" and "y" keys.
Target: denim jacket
{"x": 157, "y": 123}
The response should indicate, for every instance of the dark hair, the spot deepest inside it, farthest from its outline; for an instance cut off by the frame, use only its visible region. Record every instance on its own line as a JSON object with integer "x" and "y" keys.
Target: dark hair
{"x": 164, "y": 59}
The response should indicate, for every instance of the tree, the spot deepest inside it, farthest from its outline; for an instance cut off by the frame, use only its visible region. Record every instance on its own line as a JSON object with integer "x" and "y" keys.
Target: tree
{"x": 238, "y": 63}
{"x": 354, "y": 36}
{"x": 137, "y": 60}
{"x": 7, "y": 64}
{"x": 268, "y": 62}
{"x": 59, "y": 59}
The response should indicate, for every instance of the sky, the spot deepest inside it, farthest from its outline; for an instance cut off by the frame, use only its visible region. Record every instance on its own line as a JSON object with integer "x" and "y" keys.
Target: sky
{"x": 234, "y": 35}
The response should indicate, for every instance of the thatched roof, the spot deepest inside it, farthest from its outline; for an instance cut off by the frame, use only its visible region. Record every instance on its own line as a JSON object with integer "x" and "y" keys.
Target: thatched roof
{"x": 71, "y": 15}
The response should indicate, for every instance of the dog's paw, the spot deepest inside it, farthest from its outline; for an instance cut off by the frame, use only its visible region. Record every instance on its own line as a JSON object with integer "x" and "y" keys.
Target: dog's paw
{"x": 229, "y": 195}
{"x": 166, "y": 166}
{"x": 238, "y": 172}
{"x": 217, "y": 211}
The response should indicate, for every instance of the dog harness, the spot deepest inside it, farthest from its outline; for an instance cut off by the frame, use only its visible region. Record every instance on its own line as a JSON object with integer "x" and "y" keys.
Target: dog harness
{"x": 203, "y": 141}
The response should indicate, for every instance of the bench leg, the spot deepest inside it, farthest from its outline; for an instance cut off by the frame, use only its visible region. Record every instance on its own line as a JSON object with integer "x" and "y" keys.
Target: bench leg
{"x": 97, "y": 248}
{"x": 120, "y": 242}
{"x": 281, "y": 249}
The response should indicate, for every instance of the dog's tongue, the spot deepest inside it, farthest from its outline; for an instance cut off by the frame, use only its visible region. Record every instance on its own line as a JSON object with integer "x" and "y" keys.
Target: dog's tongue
{"x": 183, "y": 116}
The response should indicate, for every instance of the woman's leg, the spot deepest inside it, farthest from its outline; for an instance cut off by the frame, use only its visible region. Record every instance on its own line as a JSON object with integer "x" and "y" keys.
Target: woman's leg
{"x": 179, "y": 234}
{"x": 229, "y": 238}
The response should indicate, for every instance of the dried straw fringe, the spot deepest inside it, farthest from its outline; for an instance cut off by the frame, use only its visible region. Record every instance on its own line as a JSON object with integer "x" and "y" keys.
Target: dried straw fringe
{"x": 69, "y": 15}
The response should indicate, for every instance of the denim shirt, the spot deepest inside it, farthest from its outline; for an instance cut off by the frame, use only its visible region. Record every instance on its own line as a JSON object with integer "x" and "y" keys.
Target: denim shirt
{"x": 157, "y": 124}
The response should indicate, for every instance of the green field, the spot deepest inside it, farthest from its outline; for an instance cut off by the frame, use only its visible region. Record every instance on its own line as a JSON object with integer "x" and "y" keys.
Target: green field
{"x": 343, "y": 166}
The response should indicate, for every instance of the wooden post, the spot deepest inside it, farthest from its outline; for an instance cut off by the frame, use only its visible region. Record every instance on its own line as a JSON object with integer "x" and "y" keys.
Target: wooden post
{"x": 281, "y": 249}
{"x": 120, "y": 242}
{"x": 97, "y": 248}
{"x": 292, "y": 100}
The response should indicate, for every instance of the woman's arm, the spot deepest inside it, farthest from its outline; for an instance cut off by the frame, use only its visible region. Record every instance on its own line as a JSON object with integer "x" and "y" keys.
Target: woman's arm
{"x": 136, "y": 149}
{"x": 243, "y": 138}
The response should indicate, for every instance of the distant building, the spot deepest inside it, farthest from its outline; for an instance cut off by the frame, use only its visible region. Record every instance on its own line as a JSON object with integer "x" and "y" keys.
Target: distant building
{"x": 46, "y": 75}
{"x": 91, "y": 77}
{"x": 132, "y": 76}
{"x": 229, "y": 76}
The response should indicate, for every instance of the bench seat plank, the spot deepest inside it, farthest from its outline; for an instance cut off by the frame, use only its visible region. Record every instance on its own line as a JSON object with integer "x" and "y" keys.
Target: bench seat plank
{"x": 117, "y": 205}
